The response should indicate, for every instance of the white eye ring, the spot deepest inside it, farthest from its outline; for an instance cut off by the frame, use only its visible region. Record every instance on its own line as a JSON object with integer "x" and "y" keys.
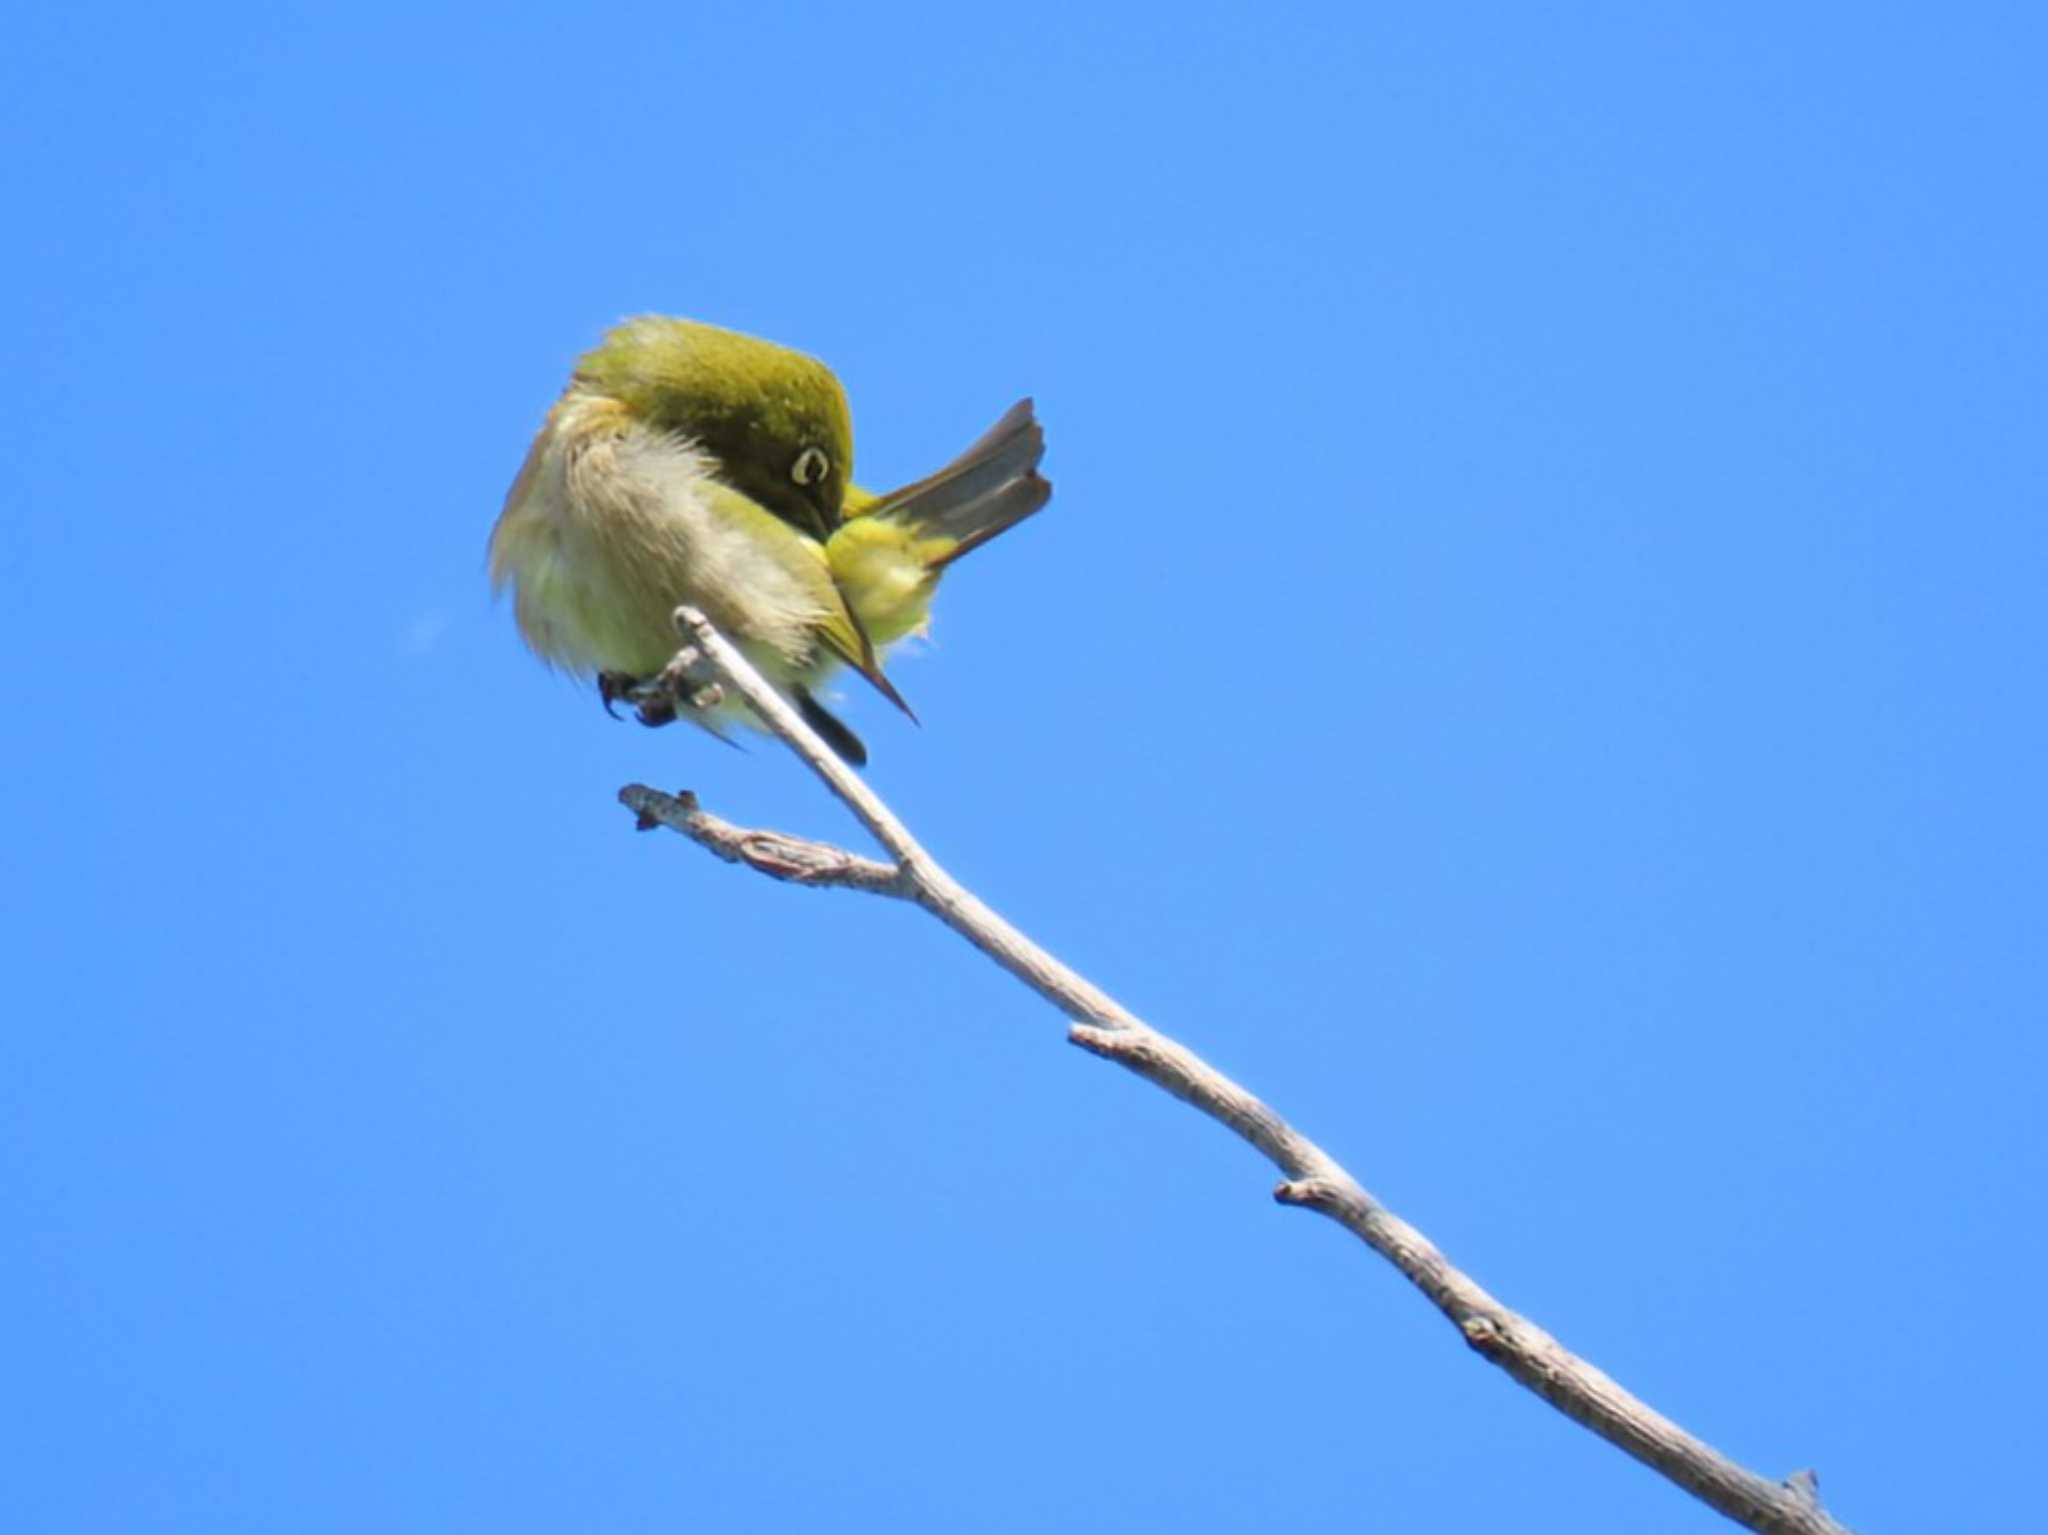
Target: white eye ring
{"x": 810, "y": 467}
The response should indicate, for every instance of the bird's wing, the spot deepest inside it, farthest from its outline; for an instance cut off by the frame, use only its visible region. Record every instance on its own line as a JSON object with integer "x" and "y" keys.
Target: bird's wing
{"x": 801, "y": 559}
{"x": 848, "y": 639}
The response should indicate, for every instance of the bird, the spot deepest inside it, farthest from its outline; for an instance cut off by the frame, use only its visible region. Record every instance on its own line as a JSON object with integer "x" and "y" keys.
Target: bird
{"x": 686, "y": 463}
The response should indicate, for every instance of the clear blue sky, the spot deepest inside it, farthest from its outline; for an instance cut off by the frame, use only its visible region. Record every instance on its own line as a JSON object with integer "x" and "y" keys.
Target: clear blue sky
{"x": 1535, "y": 661}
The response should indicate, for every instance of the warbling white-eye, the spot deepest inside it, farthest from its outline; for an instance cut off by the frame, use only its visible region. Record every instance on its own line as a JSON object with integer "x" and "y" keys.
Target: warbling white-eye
{"x": 689, "y": 464}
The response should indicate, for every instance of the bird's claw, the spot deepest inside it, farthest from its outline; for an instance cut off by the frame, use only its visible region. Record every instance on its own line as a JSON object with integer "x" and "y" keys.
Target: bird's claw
{"x": 655, "y": 711}
{"x": 654, "y": 700}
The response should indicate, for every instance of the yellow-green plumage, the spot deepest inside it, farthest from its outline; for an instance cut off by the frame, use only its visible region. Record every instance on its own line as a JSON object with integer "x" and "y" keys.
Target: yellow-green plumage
{"x": 689, "y": 464}
{"x": 891, "y": 550}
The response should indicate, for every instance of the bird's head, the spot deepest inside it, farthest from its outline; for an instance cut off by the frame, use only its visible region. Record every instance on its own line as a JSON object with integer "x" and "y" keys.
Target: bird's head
{"x": 774, "y": 420}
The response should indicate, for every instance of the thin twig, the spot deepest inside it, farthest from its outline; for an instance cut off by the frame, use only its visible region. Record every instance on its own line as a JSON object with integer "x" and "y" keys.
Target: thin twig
{"x": 1314, "y": 1180}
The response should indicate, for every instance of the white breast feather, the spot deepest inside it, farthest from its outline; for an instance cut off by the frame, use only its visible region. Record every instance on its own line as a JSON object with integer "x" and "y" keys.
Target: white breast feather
{"x": 609, "y": 528}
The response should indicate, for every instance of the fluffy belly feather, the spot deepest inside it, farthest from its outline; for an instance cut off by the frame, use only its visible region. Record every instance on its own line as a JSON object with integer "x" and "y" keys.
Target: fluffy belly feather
{"x": 610, "y": 526}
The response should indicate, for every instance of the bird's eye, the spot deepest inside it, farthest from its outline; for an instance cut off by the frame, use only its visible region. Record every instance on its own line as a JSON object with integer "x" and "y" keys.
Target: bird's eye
{"x": 810, "y": 467}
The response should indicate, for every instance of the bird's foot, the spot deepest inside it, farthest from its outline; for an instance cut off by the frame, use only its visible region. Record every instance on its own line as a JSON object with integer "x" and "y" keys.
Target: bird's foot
{"x": 656, "y": 700}
{"x": 613, "y": 686}
{"x": 652, "y": 704}
{"x": 678, "y": 681}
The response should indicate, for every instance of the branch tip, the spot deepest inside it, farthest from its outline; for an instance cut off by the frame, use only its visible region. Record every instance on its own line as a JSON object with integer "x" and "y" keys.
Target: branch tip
{"x": 652, "y": 807}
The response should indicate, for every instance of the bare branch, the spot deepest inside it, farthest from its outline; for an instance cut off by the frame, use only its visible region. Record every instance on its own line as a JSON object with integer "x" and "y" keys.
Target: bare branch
{"x": 796, "y": 859}
{"x": 1099, "y": 1025}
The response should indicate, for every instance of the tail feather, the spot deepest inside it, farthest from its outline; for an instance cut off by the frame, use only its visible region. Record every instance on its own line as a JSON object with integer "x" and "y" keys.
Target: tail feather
{"x": 991, "y": 487}
{"x": 889, "y": 553}
{"x": 997, "y": 513}
{"x": 836, "y": 733}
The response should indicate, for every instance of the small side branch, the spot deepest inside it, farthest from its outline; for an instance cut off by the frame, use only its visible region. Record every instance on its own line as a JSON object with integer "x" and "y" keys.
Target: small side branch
{"x": 1313, "y": 1180}
{"x": 795, "y": 859}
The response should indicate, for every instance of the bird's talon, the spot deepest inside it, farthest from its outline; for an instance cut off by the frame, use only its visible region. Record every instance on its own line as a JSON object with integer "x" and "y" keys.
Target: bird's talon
{"x": 611, "y": 687}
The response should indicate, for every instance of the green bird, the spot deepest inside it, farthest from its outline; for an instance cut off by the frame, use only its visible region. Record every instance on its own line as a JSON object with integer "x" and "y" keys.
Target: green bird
{"x": 689, "y": 464}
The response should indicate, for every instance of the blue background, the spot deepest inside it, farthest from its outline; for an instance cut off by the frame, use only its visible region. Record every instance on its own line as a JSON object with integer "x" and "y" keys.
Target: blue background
{"x": 1535, "y": 662}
